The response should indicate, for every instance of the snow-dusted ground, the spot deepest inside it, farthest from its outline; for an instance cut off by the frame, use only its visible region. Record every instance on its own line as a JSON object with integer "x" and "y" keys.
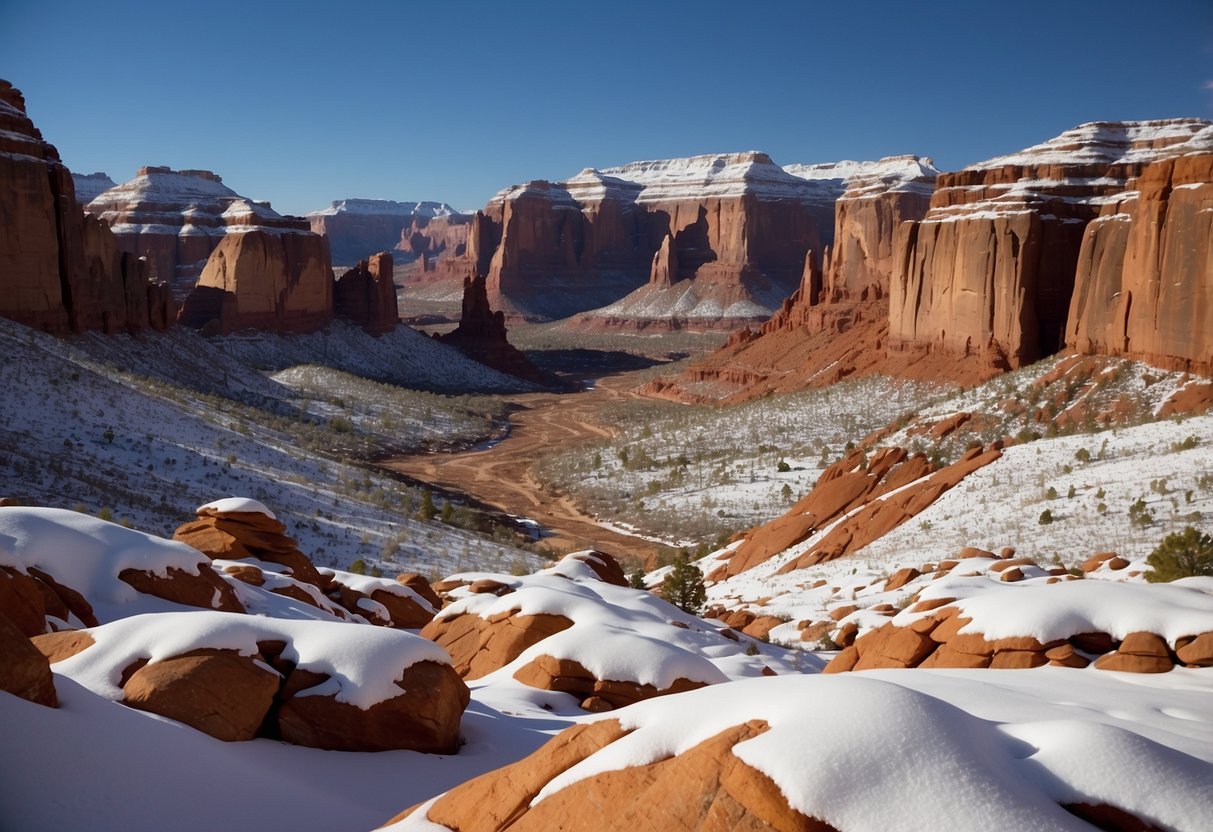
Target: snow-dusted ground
{"x": 694, "y": 472}
{"x": 146, "y": 429}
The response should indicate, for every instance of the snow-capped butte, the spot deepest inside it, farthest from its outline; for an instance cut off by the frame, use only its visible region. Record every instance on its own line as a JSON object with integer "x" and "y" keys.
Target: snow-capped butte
{"x": 379, "y": 207}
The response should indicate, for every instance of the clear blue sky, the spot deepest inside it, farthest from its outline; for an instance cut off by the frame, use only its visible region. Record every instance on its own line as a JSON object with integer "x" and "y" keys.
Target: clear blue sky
{"x": 305, "y": 102}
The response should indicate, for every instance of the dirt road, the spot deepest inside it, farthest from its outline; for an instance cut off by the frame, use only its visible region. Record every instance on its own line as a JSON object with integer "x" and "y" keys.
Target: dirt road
{"x": 502, "y": 475}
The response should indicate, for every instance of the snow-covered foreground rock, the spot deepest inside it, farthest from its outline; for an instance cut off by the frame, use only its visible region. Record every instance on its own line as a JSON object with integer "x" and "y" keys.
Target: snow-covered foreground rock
{"x": 967, "y": 750}
{"x": 708, "y": 727}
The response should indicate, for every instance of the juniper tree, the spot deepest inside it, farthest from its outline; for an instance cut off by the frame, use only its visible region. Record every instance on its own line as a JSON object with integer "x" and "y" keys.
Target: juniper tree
{"x": 683, "y": 586}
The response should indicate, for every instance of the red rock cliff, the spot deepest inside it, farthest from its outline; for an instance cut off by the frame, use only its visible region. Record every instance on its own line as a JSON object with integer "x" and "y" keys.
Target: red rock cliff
{"x": 366, "y": 295}
{"x": 989, "y": 272}
{"x": 60, "y": 271}
{"x": 274, "y": 280}
{"x": 357, "y": 228}
{"x": 1144, "y": 284}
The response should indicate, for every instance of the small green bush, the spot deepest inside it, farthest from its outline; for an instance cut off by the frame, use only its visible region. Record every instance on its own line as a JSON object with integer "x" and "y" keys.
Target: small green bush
{"x": 783, "y": 467}
{"x": 683, "y": 586}
{"x": 1046, "y": 517}
{"x": 1082, "y": 455}
{"x": 1181, "y": 555}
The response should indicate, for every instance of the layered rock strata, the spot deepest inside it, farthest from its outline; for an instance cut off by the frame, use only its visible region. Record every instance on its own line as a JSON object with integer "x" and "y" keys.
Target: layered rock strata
{"x": 357, "y": 228}
{"x": 176, "y": 219}
{"x": 61, "y": 272}
{"x": 1144, "y": 283}
{"x": 990, "y": 270}
{"x": 366, "y": 295}
{"x": 91, "y": 185}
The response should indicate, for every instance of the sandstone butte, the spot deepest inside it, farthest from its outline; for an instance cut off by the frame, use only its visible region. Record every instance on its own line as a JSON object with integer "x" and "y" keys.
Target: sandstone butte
{"x": 481, "y": 335}
{"x": 366, "y": 295}
{"x": 62, "y": 271}
{"x": 1015, "y": 258}
{"x": 176, "y": 218}
{"x": 738, "y": 224}
{"x": 357, "y": 228}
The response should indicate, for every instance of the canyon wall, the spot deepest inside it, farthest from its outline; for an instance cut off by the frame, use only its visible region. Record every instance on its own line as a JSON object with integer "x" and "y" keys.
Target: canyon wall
{"x": 989, "y": 271}
{"x": 1144, "y": 282}
{"x": 61, "y": 272}
{"x": 366, "y": 295}
{"x": 357, "y": 228}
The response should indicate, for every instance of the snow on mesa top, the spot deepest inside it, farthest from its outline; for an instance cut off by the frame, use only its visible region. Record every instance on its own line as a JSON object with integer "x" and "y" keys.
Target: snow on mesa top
{"x": 363, "y": 663}
{"x": 385, "y": 207}
{"x": 232, "y": 505}
{"x": 88, "y": 554}
{"x": 1113, "y": 142}
{"x": 721, "y": 175}
{"x": 91, "y": 185}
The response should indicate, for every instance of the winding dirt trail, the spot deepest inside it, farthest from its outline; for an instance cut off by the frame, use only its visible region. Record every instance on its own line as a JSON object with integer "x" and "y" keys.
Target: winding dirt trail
{"x": 503, "y": 475}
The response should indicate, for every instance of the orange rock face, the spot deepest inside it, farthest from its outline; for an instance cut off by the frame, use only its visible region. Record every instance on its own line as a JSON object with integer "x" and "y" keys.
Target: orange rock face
{"x": 218, "y": 692}
{"x": 425, "y": 717}
{"x": 705, "y": 787}
{"x": 569, "y": 676}
{"x": 275, "y": 280}
{"x": 61, "y": 272}
{"x": 1144, "y": 286}
{"x": 24, "y": 670}
{"x": 990, "y": 270}
{"x": 479, "y": 646}
{"x": 240, "y": 535}
{"x": 366, "y": 295}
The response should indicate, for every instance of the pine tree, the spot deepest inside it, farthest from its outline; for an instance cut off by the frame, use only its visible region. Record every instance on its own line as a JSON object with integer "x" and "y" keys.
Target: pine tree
{"x": 428, "y": 510}
{"x": 683, "y": 586}
{"x": 1181, "y": 555}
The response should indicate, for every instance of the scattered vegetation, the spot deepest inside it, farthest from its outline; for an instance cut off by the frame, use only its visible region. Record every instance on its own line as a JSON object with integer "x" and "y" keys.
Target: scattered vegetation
{"x": 683, "y": 586}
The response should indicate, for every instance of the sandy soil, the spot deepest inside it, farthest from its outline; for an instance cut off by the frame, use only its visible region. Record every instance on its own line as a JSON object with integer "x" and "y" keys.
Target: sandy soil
{"x": 502, "y": 475}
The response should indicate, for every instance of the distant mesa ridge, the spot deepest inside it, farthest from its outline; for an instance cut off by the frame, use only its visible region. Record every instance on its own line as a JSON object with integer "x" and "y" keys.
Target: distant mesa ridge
{"x": 357, "y": 228}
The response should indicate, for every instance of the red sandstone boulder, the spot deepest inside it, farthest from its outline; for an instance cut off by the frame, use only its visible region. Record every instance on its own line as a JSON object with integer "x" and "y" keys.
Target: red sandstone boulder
{"x": 250, "y": 534}
{"x": 479, "y": 646}
{"x": 24, "y": 671}
{"x": 569, "y": 676}
{"x": 424, "y": 717}
{"x": 218, "y": 692}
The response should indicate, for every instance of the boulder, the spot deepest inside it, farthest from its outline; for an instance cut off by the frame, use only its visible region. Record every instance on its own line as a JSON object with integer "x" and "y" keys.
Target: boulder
{"x": 218, "y": 692}
{"x": 1197, "y": 651}
{"x": 421, "y": 586}
{"x": 24, "y": 671}
{"x": 424, "y": 717}
{"x": 205, "y": 589}
{"x": 1139, "y": 652}
{"x": 253, "y": 535}
{"x": 704, "y": 787}
{"x": 62, "y": 645}
{"x": 479, "y": 646}
{"x": 569, "y": 676}
{"x": 22, "y": 602}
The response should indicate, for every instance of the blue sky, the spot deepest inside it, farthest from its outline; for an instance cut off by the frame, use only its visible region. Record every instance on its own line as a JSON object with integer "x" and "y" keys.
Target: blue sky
{"x": 305, "y": 102}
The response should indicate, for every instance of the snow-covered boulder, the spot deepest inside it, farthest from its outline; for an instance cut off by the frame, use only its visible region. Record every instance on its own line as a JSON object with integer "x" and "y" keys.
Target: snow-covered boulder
{"x": 317, "y": 683}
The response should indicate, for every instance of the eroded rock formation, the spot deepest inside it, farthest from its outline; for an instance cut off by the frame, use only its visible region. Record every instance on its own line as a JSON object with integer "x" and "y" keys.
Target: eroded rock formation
{"x": 366, "y": 294}
{"x": 177, "y": 218}
{"x": 61, "y": 272}
{"x": 91, "y": 185}
{"x": 1144, "y": 284}
{"x": 277, "y": 280}
{"x": 990, "y": 270}
{"x": 481, "y": 335}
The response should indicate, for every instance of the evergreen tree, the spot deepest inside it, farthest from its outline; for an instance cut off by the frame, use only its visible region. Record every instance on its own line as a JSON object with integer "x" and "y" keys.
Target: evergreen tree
{"x": 428, "y": 510}
{"x": 683, "y": 586}
{"x": 636, "y": 579}
{"x": 1181, "y": 555}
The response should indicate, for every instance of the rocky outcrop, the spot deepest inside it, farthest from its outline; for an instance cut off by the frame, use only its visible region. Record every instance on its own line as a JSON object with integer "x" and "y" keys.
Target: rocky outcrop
{"x": 478, "y": 646}
{"x": 91, "y": 185}
{"x": 277, "y": 280}
{"x": 435, "y": 238}
{"x": 357, "y": 228}
{"x": 24, "y": 671}
{"x": 871, "y": 495}
{"x": 705, "y": 786}
{"x": 481, "y": 335}
{"x": 835, "y": 324}
{"x": 177, "y": 218}
{"x": 366, "y": 295}
{"x": 990, "y": 271}
{"x": 1144, "y": 284}
{"x": 60, "y": 271}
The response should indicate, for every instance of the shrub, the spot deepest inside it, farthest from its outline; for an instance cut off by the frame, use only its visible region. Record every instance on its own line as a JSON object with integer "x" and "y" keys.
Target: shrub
{"x": 683, "y": 586}
{"x": 1181, "y": 555}
{"x": 1186, "y": 445}
{"x": 1082, "y": 455}
{"x": 1046, "y": 517}
{"x": 636, "y": 579}
{"x": 358, "y": 567}
{"x": 1071, "y": 492}
{"x": 783, "y": 467}
{"x": 1051, "y": 494}
{"x": 427, "y": 510}
{"x": 1140, "y": 514}
{"x": 786, "y": 493}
